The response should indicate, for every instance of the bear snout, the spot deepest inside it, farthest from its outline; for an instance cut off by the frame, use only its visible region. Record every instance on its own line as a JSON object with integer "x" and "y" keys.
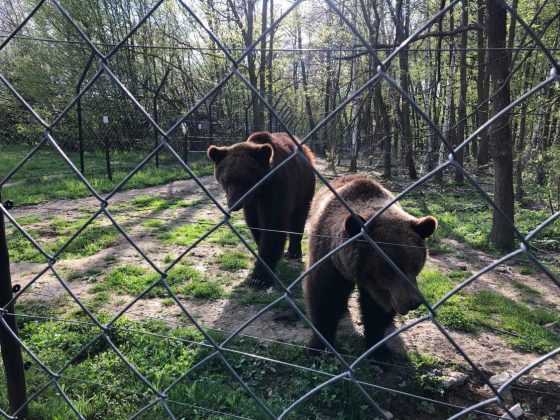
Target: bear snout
{"x": 414, "y": 303}
{"x": 403, "y": 306}
{"x": 231, "y": 204}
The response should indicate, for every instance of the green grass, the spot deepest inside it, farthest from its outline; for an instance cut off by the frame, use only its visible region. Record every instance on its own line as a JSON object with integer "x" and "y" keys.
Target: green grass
{"x": 426, "y": 369}
{"x": 233, "y": 261}
{"x": 93, "y": 239}
{"x": 528, "y": 324}
{"x": 527, "y": 271}
{"x": 470, "y": 312}
{"x": 526, "y": 288}
{"x": 434, "y": 285}
{"x": 155, "y": 202}
{"x": 28, "y": 220}
{"x": 46, "y": 176}
{"x": 465, "y": 216}
{"x": 87, "y": 275}
{"x": 127, "y": 279}
{"x": 152, "y": 202}
{"x": 187, "y": 234}
{"x": 98, "y": 301}
{"x": 132, "y": 280}
{"x": 155, "y": 224}
{"x": 99, "y": 382}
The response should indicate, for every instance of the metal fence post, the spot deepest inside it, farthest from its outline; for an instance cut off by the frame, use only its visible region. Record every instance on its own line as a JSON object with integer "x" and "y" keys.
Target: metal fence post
{"x": 11, "y": 351}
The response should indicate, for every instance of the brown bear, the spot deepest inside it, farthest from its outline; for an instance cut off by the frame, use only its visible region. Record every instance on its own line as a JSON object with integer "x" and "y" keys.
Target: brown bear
{"x": 279, "y": 205}
{"x": 382, "y": 292}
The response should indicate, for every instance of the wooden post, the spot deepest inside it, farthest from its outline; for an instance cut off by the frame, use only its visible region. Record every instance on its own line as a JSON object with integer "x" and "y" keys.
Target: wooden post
{"x": 11, "y": 351}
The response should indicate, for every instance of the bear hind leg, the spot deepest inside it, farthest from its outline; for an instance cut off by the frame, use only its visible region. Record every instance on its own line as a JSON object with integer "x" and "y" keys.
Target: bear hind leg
{"x": 297, "y": 226}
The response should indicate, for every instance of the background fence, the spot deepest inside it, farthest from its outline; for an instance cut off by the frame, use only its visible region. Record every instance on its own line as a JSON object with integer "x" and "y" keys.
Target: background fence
{"x": 159, "y": 131}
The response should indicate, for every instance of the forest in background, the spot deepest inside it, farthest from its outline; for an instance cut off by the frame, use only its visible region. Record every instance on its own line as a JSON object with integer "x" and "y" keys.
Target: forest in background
{"x": 305, "y": 67}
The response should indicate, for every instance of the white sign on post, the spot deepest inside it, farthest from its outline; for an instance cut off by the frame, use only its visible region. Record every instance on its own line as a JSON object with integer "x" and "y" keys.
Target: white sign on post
{"x": 105, "y": 119}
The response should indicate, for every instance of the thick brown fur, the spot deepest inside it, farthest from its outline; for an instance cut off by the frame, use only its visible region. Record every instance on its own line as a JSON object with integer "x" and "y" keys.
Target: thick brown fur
{"x": 280, "y": 204}
{"x": 382, "y": 292}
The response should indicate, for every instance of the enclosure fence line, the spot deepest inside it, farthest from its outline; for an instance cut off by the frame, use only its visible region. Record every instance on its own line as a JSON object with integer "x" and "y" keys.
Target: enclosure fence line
{"x": 210, "y": 49}
{"x": 220, "y": 348}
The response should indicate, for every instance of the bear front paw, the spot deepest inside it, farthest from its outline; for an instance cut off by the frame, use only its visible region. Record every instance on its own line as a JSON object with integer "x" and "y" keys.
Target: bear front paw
{"x": 293, "y": 255}
{"x": 260, "y": 281}
{"x": 289, "y": 316}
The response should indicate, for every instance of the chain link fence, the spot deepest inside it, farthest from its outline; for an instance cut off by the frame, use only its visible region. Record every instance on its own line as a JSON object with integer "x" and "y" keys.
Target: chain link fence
{"x": 159, "y": 137}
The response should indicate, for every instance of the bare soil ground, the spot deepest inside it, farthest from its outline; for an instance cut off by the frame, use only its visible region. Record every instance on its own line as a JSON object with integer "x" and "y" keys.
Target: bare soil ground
{"x": 487, "y": 349}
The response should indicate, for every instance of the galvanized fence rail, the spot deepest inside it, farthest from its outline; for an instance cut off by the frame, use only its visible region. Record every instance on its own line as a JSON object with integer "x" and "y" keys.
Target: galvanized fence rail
{"x": 220, "y": 348}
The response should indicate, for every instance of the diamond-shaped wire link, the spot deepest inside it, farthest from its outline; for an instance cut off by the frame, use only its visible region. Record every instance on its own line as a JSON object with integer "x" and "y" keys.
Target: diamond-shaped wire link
{"x": 220, "y": 348}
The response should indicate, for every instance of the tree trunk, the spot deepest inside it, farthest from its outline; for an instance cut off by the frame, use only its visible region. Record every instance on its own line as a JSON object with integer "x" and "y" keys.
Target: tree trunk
{"x": 356, "y": 103}
{"x": 501, "y": 234}
{"x": 326, "y": 105}
{"x": 308, "y": 107}
{"x": 462, "y": 108}
{"x": 262, "y": 62}
{"x": 447, "y": 128}
{"x": 482, "y": 87}
{"x": 402, "y": 34}
{"x": 270, "y": 57}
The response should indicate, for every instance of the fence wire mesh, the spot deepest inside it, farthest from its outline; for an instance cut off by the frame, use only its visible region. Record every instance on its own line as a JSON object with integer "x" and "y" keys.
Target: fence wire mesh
{"x": 165, "y": 145}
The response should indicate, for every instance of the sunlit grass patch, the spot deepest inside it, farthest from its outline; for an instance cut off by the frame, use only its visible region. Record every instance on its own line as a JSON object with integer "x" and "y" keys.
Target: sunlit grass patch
{"x": 434, "y": 285}
{"x": 94, "y": 238}
{"x": 185, "y": 280}
{"x": 34, "y": 183}
{"x": 28, "y": 220}
{"x": 233, "y": 260}
{"x": 127, "y": 279}
{"x": 525, "y": 326}
{"x": 468, "y": 218}
{"x": 155, "y": 224}
{"x": 202, "y": 289}
{"x": 152, "y": 202}
{"x": 187, "y": 234}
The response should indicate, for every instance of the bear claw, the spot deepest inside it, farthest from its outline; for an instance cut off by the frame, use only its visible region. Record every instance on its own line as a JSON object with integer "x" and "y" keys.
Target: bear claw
{"x": 260, "y": 281}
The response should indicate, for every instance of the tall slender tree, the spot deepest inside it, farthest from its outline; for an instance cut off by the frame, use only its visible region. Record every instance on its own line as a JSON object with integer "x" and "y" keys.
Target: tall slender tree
{"x": 501, "y": 233}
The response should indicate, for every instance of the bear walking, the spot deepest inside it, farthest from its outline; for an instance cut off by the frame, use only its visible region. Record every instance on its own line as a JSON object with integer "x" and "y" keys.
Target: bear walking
{"x": 382, "y": 292}
{"x": 280, "y": 204}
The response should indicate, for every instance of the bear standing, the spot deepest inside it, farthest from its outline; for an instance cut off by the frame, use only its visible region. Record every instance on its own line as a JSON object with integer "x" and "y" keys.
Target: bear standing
{"x": 382, "y": 292}
{"x": 280, "y": 204}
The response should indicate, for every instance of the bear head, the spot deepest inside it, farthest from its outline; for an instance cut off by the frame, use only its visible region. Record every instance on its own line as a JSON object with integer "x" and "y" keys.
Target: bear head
{"x": 403, "y": 240}
{"x": 239, "y": 167}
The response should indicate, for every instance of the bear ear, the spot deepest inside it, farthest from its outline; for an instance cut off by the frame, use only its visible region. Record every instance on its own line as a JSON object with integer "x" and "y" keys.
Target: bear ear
{"x": 351, "y": 226}
{"x": 425, "y": 226}
{"x": 265, "y": 153}
{"x": 260, "y": 137}
{"x": 216, "y": 154}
